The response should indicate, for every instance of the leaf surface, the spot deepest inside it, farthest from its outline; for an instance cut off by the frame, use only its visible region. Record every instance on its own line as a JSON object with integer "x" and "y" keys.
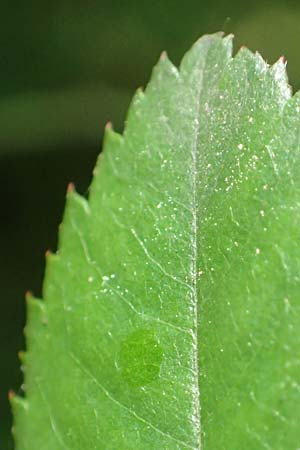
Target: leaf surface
{"x": 170, "y": 317}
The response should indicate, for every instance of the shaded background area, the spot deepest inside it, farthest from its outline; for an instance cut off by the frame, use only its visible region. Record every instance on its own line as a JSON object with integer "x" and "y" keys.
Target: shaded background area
{"x": 67, "y": 67}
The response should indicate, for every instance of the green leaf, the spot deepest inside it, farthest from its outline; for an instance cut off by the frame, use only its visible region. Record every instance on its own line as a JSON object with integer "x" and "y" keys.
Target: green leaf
{"x": 170, "y": 317}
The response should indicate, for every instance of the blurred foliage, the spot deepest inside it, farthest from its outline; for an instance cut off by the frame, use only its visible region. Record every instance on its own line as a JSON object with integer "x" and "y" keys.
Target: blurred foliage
{"x": 66, "y": 68}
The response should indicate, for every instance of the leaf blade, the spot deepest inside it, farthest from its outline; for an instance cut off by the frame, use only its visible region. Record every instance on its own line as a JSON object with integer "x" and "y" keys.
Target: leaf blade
{"x": 134, "y": 332}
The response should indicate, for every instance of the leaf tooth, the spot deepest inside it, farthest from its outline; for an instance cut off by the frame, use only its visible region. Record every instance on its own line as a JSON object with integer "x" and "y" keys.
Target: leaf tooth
{"x": 163, "y": 55}
{"x": 28, "y": 295}
{"x": 17, "y": 402}
{"x": 246, "y": 57}
{"x": 136, "y": 100}
{"x": 165, "y": 66}
{"x": 279, "y": 73}
{"x": 75, "y": 204}
{"x": 108, "y": 125}
{"x": 22, "y": 356}
{"x": 111, "y": 140}
{"x": 31, "y": 300}
{"x": 50, "y": 267}
{"x": 35, "y": 332}
{"x": 110, "y": 135}
{"x": 135, "y": 109}
{"x": 20, "y": 407}
{"x": 228, "y": 41}
{"x": 77, "y": 210}
{"x": 50, "y": 256}
{"x": 70, "y": 188}
{"x": 79, "y": 200}
{"x": 112, "y": 145}
{"x": 163, "y": 73}
{"x": 36, "y": 314}
{"x": 11, "y": 395}
{"x": 280, "y": 65}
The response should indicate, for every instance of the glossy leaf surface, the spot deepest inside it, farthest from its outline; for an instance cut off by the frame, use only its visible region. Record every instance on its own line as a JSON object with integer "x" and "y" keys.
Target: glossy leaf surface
{"x": 170, "y": 317}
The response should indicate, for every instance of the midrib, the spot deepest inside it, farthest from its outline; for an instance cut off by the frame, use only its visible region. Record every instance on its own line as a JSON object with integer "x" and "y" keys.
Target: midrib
{"x": 197, "y": 418}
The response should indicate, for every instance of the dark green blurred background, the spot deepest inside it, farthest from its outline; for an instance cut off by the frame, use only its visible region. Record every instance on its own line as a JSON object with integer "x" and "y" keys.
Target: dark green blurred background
{"x": 67, "y": 67}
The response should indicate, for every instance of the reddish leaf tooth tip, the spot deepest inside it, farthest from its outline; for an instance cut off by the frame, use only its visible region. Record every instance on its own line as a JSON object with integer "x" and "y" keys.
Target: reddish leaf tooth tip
{"x": 282, "y": 60}
{"x": 28, "y": 295}
{"x": 163, "y": 56}
{"x": 70, "y": 188}
{"x": 108, "y": 126}
{"x": 48, "y": 253}
{"x": 11, "y": 395}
